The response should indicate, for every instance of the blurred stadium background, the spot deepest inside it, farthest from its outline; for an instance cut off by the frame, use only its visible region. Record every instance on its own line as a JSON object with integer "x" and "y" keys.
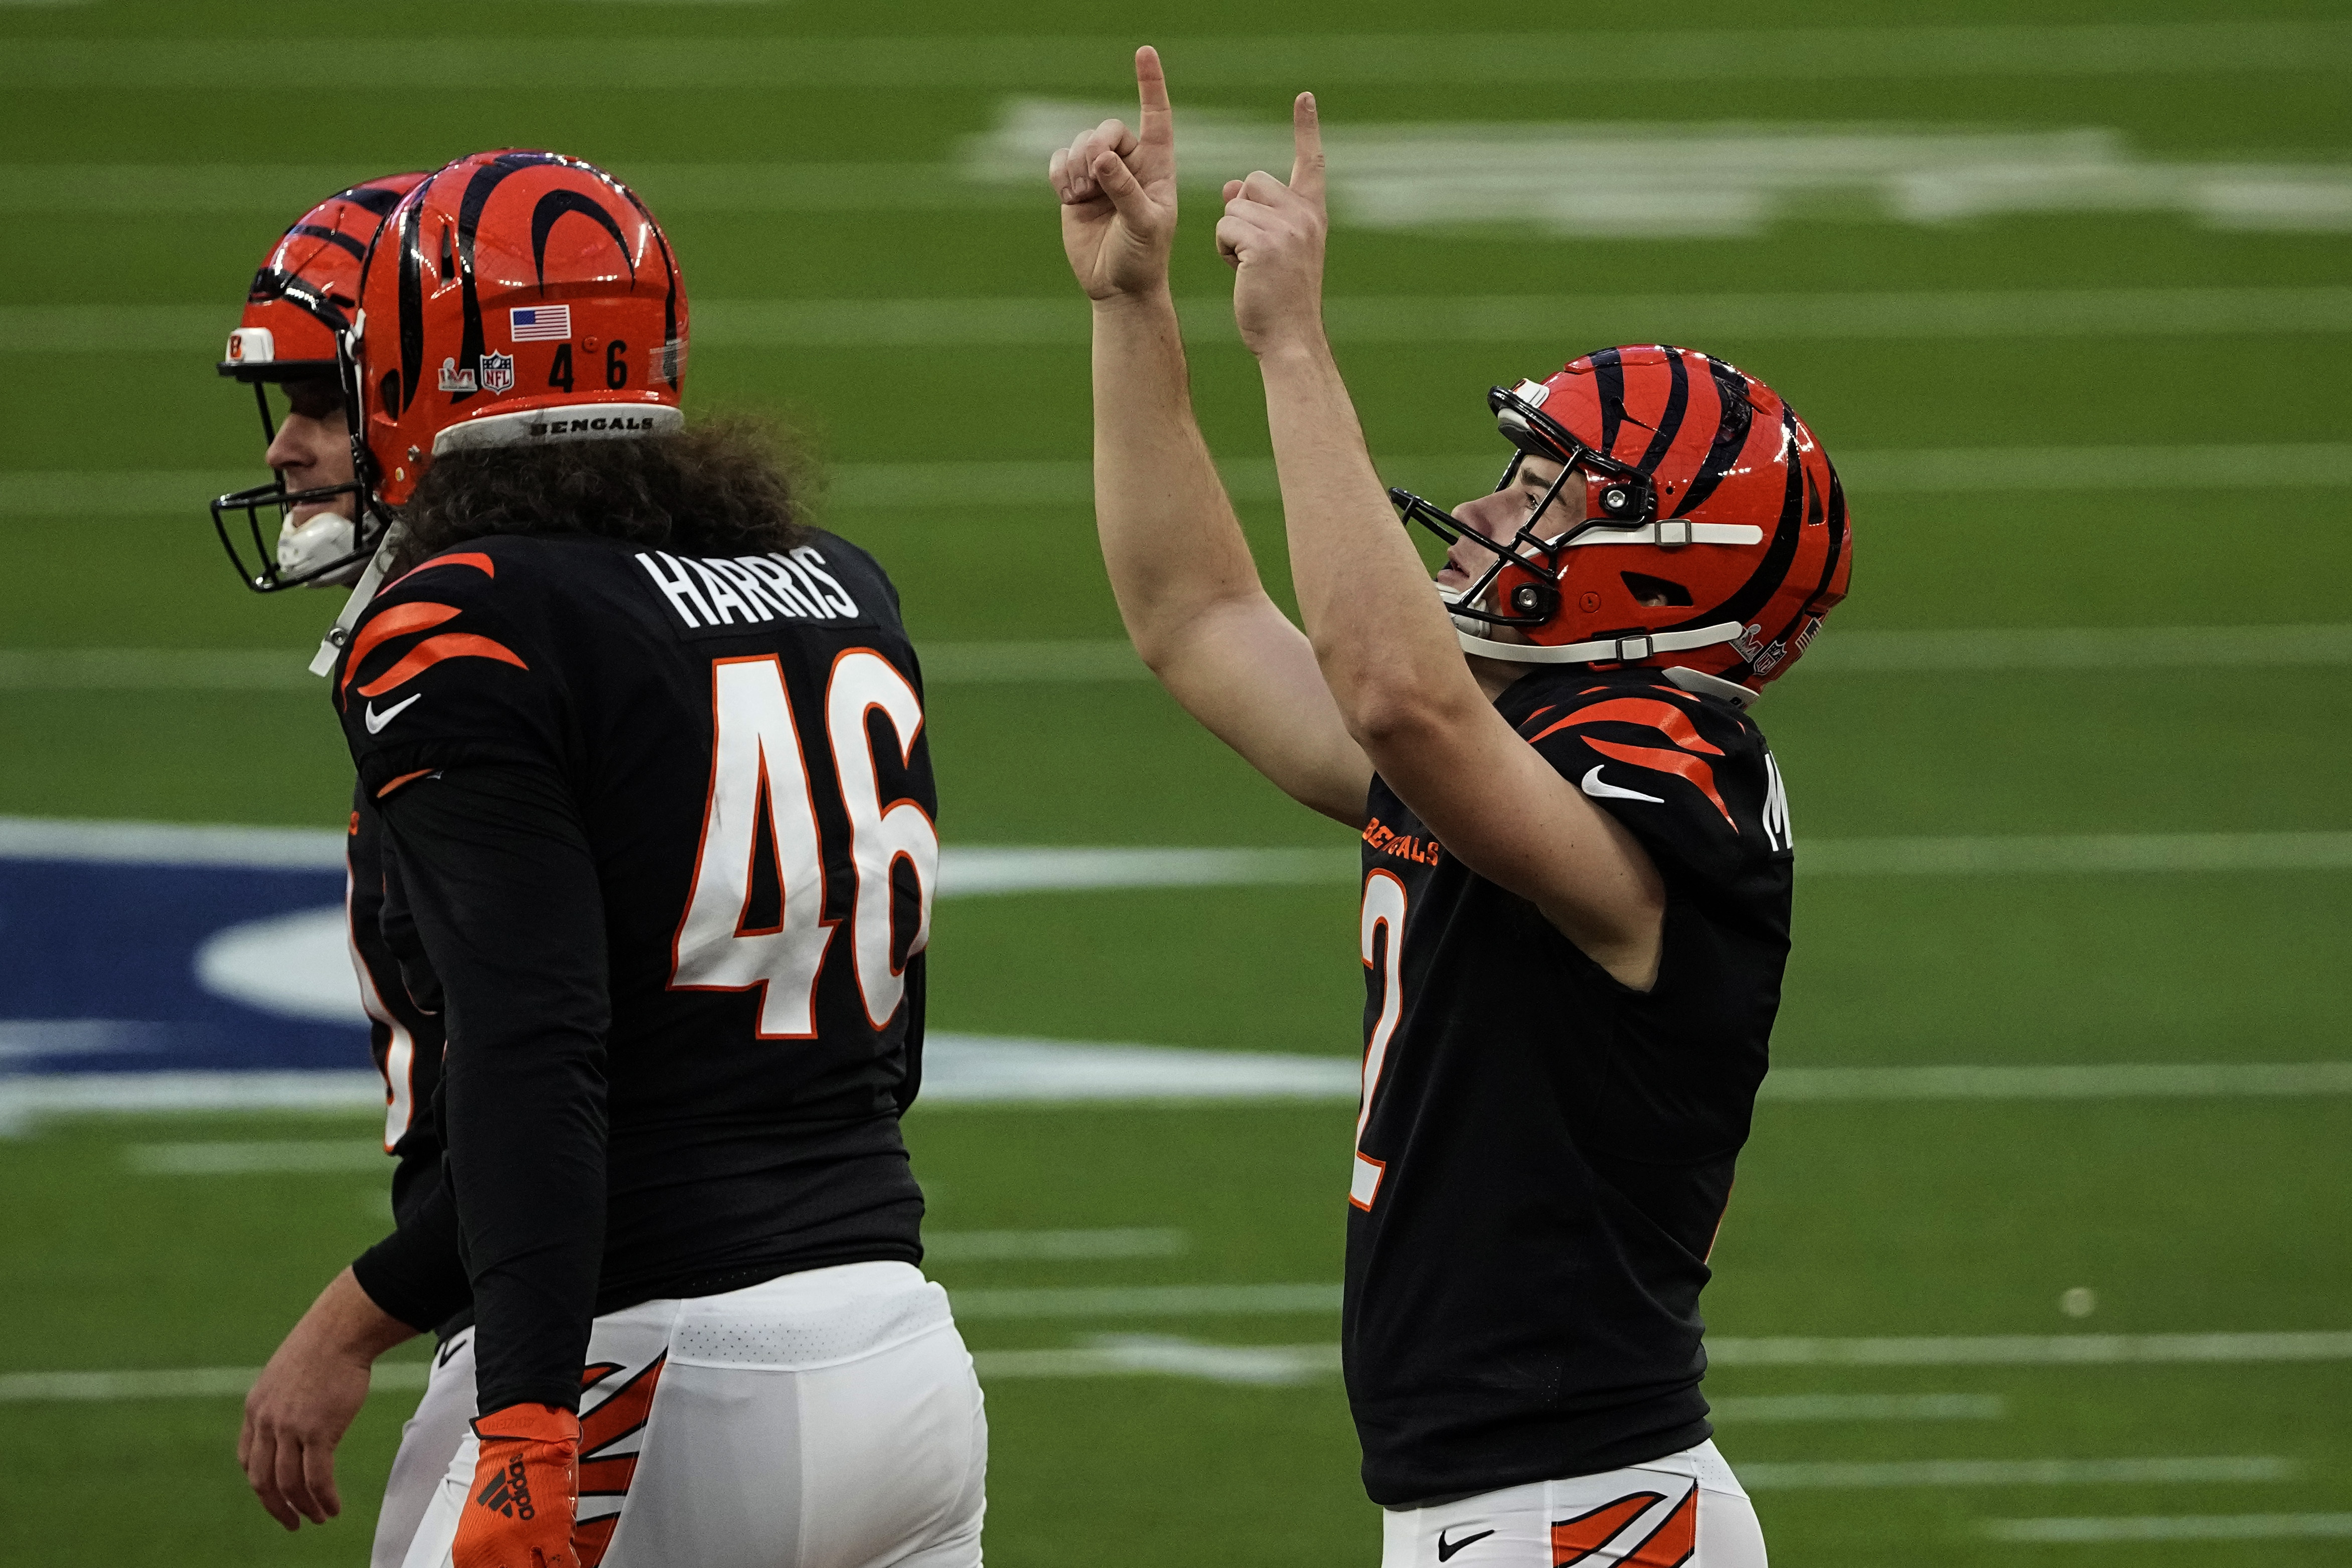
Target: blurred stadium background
{"x": 2038, "y": 1253}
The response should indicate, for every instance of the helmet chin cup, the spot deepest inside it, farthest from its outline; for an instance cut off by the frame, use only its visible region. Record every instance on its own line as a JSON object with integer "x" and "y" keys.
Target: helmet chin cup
{"x": 322, "y": 554}
{"x": 322, "y": 551}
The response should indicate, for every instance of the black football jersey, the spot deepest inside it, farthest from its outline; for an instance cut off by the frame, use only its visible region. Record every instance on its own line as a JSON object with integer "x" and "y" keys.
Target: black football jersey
{"x": 665, "y": 824}
{"x": 1544, "y": 1154}
{"x": 403, "y": 1035}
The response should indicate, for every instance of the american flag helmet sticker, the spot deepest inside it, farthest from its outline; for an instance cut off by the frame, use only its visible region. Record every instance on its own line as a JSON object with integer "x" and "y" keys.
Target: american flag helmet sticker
{"x": 539, "y": 323}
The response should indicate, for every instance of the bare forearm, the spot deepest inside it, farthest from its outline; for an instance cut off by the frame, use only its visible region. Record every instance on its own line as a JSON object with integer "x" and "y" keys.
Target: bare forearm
{"x": 1378, "y": 633}
{"x": 345, "y": 1320}
{"x": 1169, "y": 539}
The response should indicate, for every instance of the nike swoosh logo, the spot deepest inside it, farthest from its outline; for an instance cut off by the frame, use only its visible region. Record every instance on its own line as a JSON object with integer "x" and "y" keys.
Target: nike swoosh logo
{"x": 1446, "y": 1549}
{"x": 1591, "y": 784}
{"x": 376, "y": 721}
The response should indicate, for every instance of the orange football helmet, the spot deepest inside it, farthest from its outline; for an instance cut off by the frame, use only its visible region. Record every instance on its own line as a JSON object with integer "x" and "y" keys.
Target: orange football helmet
{"x": 296, "y": 311}
{"x": 511, "y": 297}
{"x": 1683, "y": 478}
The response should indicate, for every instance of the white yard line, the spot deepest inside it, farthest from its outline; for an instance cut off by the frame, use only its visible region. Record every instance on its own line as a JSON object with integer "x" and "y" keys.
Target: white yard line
{"x": 1761, "y": 1409}
{"x": 241, "y": 1159}
{"x": 1129, "y": 1355}
{"x": 1828, "y": 1475}
{"x": 191, "y": 1382}
{"x": 2031, "y": 1349}
{"x": 1599, "y": 179}
{"x": 995, "y": 322}
{"x": 1996, "y": 650}
{"x": 1488, "y": 59}
{"x": 2071, "y": 854}
{"x": 963, "y": 1072}
{"x": 971, "y": 870}
{"x": 1112, "y": 1354}
{"x": 2171, "y": 1527}
{"x": 2112, "y": 1081}
{"x": 1145, "y": 1302}
{"x": 860, "y": 488}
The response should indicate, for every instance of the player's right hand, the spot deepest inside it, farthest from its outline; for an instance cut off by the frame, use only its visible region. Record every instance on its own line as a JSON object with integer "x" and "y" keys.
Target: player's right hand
{"x": 525, "y": 1489}
{"x": 1119, "y": 194}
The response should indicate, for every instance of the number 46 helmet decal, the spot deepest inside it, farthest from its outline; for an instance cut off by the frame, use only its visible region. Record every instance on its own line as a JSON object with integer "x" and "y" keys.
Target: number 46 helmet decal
{"x": 1684, "y": 482}
{"x": 511, "y": 299}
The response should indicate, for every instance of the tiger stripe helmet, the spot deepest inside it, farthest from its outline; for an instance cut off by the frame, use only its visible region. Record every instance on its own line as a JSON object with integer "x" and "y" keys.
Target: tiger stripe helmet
{"x": 1684, "y": 480}
{"x": 304, "y": 292}
{"x": 297, "y": 309}
{"x": 512, "y": 297}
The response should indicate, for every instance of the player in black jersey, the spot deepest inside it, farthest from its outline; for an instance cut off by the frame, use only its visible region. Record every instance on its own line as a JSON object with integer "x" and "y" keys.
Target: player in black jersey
{"x": 649, "y": 756}
{"x": 1577, "y": 862}
{"x": 302, "y": 299}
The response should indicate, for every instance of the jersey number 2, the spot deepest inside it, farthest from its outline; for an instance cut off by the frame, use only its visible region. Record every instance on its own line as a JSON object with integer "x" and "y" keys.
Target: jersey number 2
{"x": 1384, "y": 906}
{"x": 756, "y": 762}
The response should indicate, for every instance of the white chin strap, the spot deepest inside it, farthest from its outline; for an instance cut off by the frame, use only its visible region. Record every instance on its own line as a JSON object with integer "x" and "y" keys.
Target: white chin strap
{"x": 330, "y": 647}
{"x": 1600, "y": 650}
{"x": 1633, "y": 649}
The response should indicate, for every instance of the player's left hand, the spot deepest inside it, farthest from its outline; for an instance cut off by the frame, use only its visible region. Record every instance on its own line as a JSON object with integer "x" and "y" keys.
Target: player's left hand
{"x": 1271, "y": 235}
{"x": 304, "y": 1401}
{"x": 525, "y": 1492}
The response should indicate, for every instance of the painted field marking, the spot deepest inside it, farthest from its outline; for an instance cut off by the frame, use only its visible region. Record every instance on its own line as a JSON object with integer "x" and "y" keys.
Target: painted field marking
{"x": 1103, "y": 1355}
{"x": 240, "y": 1159}
{"x": 2031, "y": 1349}
{"x": 1844, "y": 1476}
{"x": 2113, "y": 1080}
{"x": 963, "y": 486}
{"x": 2062, "y": 649}
{"x": 1001, "y": 1246}
{"x": 1660, "y": 179}
{"x": 1763, "y": 1409}
{"x": 190, "y": 1382}
{"x": 995, "y": 322}
{"x": 1129, "y": 1355}
{"x": 1992, "y": 650}
{"x": 987, "y": 869}
{"x": 2071, "y": 854}
{"x": 1016, "y": 63}
{"x": 963, "y": 1071}
{"x": 1145, "y": 1302}
{"x": 2172, "y": 1527}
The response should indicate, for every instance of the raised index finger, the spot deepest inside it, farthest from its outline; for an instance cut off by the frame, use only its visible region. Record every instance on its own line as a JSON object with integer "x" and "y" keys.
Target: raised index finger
{"x": 1307, "y": 161}
{"x": 1151, "y": 93}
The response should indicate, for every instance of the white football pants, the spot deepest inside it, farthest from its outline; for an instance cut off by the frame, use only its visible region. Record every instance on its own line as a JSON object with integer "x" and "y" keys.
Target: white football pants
{"x": 829, "y": 1419}
{"x": 1685, "y": 1511}
{"x": 428, "y": 1441}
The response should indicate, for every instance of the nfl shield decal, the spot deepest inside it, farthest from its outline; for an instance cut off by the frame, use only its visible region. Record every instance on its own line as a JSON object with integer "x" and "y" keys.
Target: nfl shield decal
{"x": 497, "y": 372}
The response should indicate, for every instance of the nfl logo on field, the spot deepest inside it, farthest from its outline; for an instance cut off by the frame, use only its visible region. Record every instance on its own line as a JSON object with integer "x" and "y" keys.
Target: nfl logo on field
{"x": 497, "y": 372}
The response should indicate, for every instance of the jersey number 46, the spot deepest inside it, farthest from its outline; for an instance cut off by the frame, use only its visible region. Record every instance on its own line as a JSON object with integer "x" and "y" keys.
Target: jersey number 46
{"x": 757, "y": 760}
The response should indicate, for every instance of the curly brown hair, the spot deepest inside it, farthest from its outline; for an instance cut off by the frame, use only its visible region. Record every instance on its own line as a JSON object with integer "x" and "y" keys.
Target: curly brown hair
{"x": 730, "y": 484}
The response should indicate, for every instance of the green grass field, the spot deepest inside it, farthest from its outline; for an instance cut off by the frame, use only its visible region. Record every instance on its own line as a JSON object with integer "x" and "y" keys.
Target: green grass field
{"x": 151, "y": 151}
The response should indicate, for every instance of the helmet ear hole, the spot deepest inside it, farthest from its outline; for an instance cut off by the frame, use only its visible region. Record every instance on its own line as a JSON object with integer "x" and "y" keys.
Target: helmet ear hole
{"x": 1649, "y": 590}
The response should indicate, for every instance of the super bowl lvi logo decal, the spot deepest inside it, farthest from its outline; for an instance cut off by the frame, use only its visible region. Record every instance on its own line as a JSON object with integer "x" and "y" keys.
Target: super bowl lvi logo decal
{"x": 497, "y": 372}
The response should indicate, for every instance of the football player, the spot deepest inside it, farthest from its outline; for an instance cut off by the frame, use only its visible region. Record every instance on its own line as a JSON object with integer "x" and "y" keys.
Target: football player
{"x": 1577, "y": 863}
{"x": 649, "y": 754}
{"x": 302, "y": 299}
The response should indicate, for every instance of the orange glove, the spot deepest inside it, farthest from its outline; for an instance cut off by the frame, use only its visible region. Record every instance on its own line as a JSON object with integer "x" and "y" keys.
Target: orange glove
{"x": 526, "y": 1489}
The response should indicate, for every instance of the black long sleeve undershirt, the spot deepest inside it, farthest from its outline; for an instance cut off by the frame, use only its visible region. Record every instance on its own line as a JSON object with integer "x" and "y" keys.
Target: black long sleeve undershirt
{"x": 503, "y": 888}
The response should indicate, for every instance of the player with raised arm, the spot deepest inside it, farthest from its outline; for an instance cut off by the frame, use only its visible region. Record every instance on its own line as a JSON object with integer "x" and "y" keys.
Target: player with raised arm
{"x": 1577, "y": 862}
{"x": 649, "y": 754}
{"x": 303, "y": 529}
